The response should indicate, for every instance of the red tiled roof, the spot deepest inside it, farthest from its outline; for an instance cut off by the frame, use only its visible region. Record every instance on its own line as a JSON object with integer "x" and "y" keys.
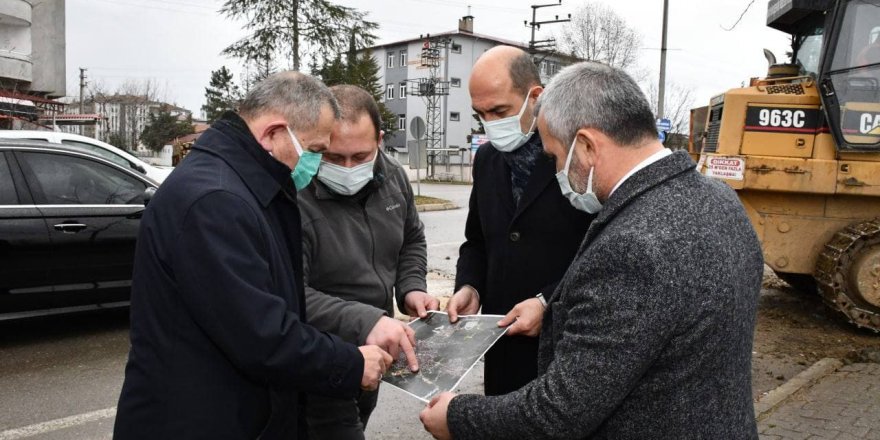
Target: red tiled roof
{"x": 34, "y": 98}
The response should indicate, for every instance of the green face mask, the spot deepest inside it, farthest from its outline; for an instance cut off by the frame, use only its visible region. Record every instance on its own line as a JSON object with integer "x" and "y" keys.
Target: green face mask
{"x": 306, "y": 167}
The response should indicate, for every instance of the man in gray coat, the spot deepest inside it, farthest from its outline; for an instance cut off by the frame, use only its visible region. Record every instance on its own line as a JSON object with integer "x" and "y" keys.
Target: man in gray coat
{"x": 363, "y": 244}
{"x": 649, "y": 334}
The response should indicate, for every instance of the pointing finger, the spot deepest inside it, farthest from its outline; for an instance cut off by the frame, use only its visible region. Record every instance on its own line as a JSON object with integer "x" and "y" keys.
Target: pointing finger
{"x": 410, "y": 354}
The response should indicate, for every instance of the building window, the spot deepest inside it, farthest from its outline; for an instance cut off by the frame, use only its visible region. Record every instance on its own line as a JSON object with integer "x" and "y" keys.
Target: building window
{"x": 456, "y": 48}
{"x": 401, "y": 122}
{"x": 389, "y": 91}
{"x": 454, "y": 116}
{"x": 391, "y": 60}
{"x": 402, "y": 94}
{"x": 455, "y": 82}
{"x": 402, "y": 59}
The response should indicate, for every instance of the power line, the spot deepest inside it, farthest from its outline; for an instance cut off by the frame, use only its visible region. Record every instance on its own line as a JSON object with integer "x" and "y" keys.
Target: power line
{"x": 154, "y": 7}
{"x": 549, "y": 44}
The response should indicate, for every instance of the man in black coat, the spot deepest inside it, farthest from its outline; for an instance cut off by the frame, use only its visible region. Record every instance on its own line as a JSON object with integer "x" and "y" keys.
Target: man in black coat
{"x": 638, "y": 341}
{"x": 219, "y": 344}
{"x": 521, "y": 233}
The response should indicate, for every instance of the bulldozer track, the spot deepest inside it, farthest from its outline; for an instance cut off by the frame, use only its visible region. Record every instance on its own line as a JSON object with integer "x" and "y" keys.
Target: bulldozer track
{"x": 831, "y": 273}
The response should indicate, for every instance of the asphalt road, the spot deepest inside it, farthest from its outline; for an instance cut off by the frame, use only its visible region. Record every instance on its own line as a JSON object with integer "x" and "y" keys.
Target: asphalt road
{"x": 60, "y": 376}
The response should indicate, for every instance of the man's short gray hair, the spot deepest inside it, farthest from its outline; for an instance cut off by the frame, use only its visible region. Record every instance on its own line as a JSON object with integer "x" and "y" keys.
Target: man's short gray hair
{"x": 594, "y": 95}
{"x": 297, "y": 97}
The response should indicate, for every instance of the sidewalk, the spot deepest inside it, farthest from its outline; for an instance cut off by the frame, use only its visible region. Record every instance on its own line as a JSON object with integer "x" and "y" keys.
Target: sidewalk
{"x": 844, "y": 404}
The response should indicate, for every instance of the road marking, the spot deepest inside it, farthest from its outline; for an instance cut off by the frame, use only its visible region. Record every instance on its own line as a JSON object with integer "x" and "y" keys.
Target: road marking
{"x": 448, "y": 243}
{"x": 57, "y": 424}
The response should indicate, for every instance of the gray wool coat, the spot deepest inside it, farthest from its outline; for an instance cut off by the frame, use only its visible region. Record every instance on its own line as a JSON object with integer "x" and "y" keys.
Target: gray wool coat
{"x": 649, "y": 334}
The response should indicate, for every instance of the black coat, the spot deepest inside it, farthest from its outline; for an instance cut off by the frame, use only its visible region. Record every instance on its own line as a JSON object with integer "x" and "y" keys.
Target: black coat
{"x": 219, "y": 348}
{"x": 512, "y": 253}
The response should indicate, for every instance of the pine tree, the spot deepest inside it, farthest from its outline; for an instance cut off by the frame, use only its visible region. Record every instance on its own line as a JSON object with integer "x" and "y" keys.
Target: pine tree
{"x": 222, "y": 94}
{"x": 163, "y": 127}
{"x": 361, "y": 71}
{"x": 294, "y": 28}
{"x": 364, "y": 73}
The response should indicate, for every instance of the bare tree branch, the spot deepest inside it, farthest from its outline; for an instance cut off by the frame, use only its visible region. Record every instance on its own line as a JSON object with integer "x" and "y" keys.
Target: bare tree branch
{"x": 597, "y": 33}
{"x": 740, "y": 17}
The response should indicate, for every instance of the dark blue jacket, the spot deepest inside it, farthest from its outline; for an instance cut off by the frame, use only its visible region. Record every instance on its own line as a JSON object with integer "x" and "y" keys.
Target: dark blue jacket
{"x": 219, "y": 344}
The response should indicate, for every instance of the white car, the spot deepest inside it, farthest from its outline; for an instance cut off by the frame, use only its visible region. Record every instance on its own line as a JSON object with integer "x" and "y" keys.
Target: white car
{"x": 103, "y": 149}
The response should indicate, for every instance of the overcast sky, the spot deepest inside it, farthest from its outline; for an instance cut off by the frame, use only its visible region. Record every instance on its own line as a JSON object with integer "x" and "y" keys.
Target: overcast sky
{"x": 177, "y": 43}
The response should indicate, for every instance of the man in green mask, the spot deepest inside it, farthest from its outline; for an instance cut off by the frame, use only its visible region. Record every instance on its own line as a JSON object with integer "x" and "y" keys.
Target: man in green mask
{"x": 220, "y": 347}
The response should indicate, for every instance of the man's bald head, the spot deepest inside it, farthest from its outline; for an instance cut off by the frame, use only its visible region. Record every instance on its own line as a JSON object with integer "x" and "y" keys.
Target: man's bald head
{"x": 507, "y": 65}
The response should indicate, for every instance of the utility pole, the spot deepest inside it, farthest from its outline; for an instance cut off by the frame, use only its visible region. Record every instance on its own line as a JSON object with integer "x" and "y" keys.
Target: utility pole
{"x": 662, "y": 88}
{"x": 82, "y": 87}
{"x": 549, "y": 44}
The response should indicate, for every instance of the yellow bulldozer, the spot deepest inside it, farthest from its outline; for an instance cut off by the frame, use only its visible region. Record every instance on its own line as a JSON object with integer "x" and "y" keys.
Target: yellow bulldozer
{"x": 802, "y": 149}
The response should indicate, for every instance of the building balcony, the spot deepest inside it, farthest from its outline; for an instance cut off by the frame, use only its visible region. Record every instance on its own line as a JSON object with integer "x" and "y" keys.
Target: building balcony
{"x": 15, "y": 13}
{"x": 15, "y": 66}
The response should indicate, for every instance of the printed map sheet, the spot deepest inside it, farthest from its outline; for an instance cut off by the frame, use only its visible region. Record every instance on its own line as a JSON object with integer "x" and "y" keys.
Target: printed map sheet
{"x": 446, "y": 353}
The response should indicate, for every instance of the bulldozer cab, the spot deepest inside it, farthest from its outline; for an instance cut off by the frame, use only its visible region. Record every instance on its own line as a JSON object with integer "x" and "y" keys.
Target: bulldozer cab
{"x": 837, "y": 43}
{"x": 850, "y": 75}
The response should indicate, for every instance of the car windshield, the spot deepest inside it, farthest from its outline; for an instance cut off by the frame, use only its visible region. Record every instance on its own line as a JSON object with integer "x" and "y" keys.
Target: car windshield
{"x": 858, "y": 45}
{"x": 855, "y": 75}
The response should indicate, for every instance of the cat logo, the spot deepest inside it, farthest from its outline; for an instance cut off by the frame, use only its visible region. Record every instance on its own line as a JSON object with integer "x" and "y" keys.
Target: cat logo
{"x": 869, "y": 123}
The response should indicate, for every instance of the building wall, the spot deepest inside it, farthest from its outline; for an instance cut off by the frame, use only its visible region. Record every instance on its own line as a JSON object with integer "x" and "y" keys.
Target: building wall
{"x": 49, "y": 47}
{"x": 32, "y": 46}
{"x": 456, "y": 66}
{"x": 128, "y": 116}
{"x": 16, "y": 65}
{"x": 393, "y": 77}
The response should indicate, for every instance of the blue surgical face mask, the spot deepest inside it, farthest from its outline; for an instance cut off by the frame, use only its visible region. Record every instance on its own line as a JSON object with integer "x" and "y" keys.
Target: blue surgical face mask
{"x": 306, "y": 167}
{"x": 587, "y": 202}
{"x": 347, "y": 181}
{"x": 506, "y": 134}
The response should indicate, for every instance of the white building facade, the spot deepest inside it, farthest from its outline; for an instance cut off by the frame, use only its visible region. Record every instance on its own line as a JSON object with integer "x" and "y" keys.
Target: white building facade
{"x": 124, "y": 119}
{"x": 400, "y": 64}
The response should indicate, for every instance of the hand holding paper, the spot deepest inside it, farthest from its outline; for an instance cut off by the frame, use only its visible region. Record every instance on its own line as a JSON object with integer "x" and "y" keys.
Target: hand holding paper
{"x": 434, "y": 416}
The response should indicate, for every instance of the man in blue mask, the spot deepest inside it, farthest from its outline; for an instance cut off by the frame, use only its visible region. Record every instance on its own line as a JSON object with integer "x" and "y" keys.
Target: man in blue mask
{"x": 521, "y": 232}
{"x": 220, "y": 347}
{"x": 363, "y": 246}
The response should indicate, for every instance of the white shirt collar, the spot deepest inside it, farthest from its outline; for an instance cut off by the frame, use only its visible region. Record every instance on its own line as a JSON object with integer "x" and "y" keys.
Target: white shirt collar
{"x": 643, "y": 164}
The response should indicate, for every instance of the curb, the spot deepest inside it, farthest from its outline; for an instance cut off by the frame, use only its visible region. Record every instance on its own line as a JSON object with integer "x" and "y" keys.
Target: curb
{"x": 765, "y": 406}
{"x": 436, "y": 207}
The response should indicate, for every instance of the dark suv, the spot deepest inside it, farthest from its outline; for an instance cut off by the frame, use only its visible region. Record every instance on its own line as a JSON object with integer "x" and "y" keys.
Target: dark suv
{"x": 68, "y": 224}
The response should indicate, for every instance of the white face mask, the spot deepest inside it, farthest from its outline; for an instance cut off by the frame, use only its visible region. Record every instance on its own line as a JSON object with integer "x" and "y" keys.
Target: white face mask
{"x": 587, "y": 202}
{"x": 506, "y": 134}
{"x": 346, "y": 181}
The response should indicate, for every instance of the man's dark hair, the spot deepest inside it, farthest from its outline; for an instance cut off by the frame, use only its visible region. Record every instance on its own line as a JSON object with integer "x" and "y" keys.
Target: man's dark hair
{"x": 524, "y": 73}
{"x": 355, "y": 102}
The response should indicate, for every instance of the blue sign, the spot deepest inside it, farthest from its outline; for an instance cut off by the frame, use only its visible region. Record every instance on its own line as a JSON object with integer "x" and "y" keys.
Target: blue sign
{"x": 662, "y": 136}
{"x": 664, "y": 124}
{"x": 477, "y": 140}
